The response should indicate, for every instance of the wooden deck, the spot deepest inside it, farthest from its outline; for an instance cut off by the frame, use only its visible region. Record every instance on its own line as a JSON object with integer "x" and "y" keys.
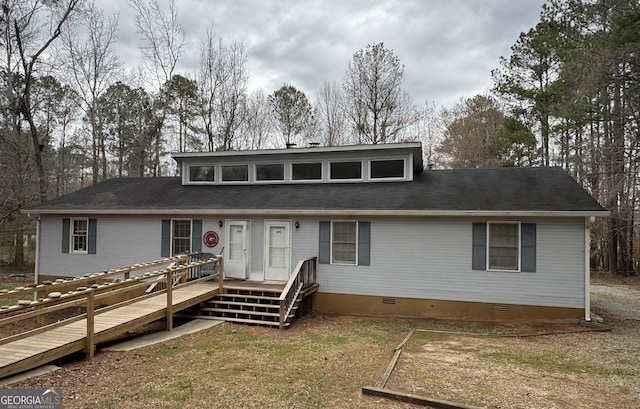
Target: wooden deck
{"x": 44, "y": 344}
{"x": 38, "y": 349}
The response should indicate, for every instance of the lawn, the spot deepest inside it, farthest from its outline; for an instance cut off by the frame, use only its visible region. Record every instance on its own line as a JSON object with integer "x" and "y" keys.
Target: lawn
{"x": 324, "y": 361}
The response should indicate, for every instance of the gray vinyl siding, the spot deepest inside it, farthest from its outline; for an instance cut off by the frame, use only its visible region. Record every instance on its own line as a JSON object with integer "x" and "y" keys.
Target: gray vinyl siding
{"x": 256, "y": 246}
{"x": 119, "y": 242}
{"x": 414, "y": 258}
{"x": 433, "y": 259}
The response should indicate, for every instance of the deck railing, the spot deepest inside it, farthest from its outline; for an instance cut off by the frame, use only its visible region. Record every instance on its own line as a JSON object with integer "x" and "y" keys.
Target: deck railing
{"x": 303, "y": 276}
{"x": 87, "y": 296}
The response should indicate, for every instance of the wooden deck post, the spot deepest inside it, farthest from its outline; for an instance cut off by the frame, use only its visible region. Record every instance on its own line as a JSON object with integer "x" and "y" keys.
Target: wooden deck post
{"x": 90, "y": 324}
{"x": 169, "y": 300}
{"x": 221, "y": 275}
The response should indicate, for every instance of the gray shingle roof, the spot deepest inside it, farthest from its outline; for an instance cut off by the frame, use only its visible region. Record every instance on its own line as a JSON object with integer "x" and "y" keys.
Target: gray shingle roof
{"x": 504, "y": 189}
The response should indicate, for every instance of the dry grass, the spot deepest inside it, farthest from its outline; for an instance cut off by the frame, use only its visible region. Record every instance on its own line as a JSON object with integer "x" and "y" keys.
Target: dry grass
{"x": 320, "y": 362}
{"x": 324, "y": 361}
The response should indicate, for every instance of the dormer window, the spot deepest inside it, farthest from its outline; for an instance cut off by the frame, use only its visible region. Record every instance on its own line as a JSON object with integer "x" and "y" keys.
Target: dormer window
{"x": 306, "y": 171}
{"x": 235, "y": 173}
{"x": 201, "y": 174}
{"x": 387, "y": 169}
{"x": 270, "y": 172}
{"x": 345, "y": 170}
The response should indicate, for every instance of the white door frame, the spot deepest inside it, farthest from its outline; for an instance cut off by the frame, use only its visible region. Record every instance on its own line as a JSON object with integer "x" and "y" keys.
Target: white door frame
{"x": 238, "y": 267}
{"x": 283, "y": 273}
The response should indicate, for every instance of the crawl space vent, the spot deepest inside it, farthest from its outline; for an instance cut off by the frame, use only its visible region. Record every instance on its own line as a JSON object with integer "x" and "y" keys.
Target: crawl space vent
{"x": 500, "y": 308}
{"x": 388, "y": 300}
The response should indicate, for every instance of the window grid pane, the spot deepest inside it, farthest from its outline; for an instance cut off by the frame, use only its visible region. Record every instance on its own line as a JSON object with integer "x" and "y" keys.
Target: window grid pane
{"x": 306, "y": 171}
{"x": 346, "y": 170}
{"x": 181, "y": 236}
{"x": 344, "y": 242}
{"x": 381, "y": 169}
{"x": 201, "y": 173}
{"x": 235, "y": 173}
{"x": 503, "y": 246}
{"x": 79, "y": 235}
{"x": 270, "y": 172}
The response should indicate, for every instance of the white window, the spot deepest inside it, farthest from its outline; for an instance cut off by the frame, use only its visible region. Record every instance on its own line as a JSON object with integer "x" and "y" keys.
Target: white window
{"x": 180, "y": 237}
{"x": 235, "y": 173}
{"x": 345, "y": 170}
{"x": 306, "y": 171}
{"x": 344, "y": 242}
{"x": 386, "y": 169}
{"x": 270, "y": 172}
{"x": 201, "y": 174}
{"x": 79, "y": 236}
{"x": 504, "y": 246}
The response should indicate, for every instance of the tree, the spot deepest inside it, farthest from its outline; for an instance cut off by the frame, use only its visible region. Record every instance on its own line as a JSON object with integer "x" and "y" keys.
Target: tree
{"x": 292, "y": 113}
{"x": 127, "y": 113}
{"x": 530, "y": 77}
{"x": 233, "y": 93}
{"x": 375, "y": 101}
{"x": 222, "y": 81}
{"x": 513, "y": 144}
{"x": 257, "y": 124}
{"x": 163, "y": 41}
{"x": 330, "y": 114}
{"x": 181, "y": 95}
{"x": 26, "y": 43}
{"x": 468, "y": 129}
{"x": 92, "y": 66}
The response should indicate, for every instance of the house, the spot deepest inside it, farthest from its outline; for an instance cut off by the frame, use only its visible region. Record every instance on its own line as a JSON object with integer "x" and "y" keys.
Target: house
{"x": 391, "y": 237}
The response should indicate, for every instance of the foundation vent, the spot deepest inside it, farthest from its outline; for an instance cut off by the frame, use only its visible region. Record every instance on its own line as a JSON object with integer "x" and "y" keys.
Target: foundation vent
{"x": 389, "y": 301}
{"x": 500, "y": 308}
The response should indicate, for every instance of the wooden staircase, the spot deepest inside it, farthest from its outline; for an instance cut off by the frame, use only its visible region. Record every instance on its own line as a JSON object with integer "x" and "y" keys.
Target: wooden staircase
{"x": 248, "y": 305}
{"x": 268, "y": 304}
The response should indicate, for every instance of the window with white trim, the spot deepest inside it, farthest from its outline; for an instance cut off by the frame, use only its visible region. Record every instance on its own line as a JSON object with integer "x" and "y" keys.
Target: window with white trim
{"x": 503, "y": 250}
{"x": 270, "y": 172}
{"x": 344, "y": 242}
{"x": 79, "y": 237}
{"x": 345, "y": 170}
{"x": 235, "y": 173}
{"x": 306, "y": 171}
{"x": 201, "y": 174}
{"x": 386, "y": 169}
{"x": 180, "y": 236}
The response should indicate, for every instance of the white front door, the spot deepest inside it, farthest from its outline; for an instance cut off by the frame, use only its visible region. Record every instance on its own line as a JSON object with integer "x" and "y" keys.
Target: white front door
{"x": 236, "y": 258}
{"x": 277, "y": 250}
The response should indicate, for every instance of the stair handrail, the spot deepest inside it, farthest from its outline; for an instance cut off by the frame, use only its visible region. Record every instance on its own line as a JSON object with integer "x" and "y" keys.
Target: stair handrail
{"x": 303, "y": 275}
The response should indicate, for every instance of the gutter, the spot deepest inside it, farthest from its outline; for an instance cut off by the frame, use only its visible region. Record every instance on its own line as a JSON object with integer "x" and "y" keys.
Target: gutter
{"x": 321, "y": 212}
{"x": 36, "y": 266}
{"x": 588, "y": 222}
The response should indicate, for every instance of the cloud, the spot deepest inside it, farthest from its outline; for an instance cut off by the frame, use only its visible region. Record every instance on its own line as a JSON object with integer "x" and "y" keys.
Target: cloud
{"x": 448, "y": 48}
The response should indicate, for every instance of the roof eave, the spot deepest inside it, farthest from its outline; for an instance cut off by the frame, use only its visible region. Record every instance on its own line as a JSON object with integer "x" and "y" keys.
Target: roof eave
{"x": 323, "y": 212}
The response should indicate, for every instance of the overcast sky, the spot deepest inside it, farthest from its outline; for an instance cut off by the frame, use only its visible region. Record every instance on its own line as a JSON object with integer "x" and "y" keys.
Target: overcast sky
{"x": 448, "y": 47}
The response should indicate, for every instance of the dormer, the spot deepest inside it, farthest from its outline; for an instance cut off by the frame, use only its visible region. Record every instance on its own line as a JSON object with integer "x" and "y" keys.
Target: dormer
{"x": 396, "y": 162}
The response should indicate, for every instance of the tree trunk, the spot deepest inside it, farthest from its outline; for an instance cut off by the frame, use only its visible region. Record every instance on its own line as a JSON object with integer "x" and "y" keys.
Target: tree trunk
{"x": 18, "y": 259}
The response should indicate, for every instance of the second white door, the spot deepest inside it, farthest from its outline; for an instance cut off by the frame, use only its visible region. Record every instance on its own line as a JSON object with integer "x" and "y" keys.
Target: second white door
{"x": 277, "y": 250}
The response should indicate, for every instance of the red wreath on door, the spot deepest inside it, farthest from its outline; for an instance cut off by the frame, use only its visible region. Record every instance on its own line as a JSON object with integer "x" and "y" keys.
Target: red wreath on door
{"x": 211, "y": 239}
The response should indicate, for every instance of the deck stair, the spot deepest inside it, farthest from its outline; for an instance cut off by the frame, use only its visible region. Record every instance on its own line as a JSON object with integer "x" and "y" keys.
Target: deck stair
{"x": 248, "y": 305}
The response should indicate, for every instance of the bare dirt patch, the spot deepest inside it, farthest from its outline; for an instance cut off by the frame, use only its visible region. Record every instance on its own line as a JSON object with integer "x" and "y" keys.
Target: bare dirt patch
{"x": 579, "y": 370}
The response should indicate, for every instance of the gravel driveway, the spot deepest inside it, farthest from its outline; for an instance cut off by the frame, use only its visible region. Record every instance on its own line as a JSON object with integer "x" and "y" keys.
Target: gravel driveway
{"x": 616, "y": 302}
